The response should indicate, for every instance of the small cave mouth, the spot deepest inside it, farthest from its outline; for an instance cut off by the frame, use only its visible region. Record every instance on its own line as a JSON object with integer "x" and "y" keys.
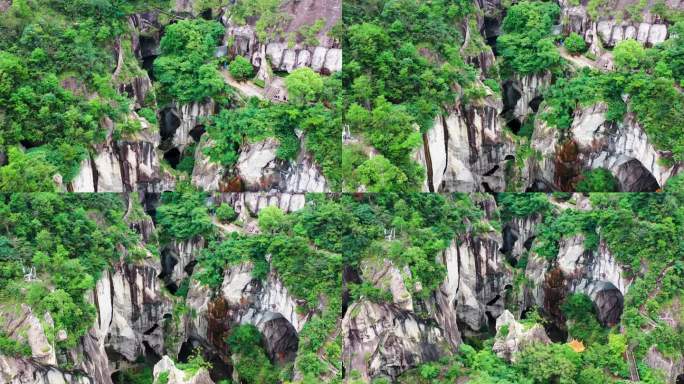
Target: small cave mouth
{"x": 515, "y": 125}
{"x": 168, "y": 124}
{"x": 168, "y": 263}
{"x": 186, "y": 350}
{"x": 151, "y": 356}
{"x": 509, "y": 158}
{"x": 350, "y": 275}
{"x": 190, "y": 267}
{"x": 220, "y": 370}
{"x": 282, "y": 340}
{"x": 609, "y": 304}
{"x": 197, "y": 132}
{"x": 555, "y": 333}
{"x": 680, "y": 379}
{"x": 534, "y": 103}
{"x": 487, "y": 188}
{"x": 491, "y": 323}
{"x": 634, "y": 177}
{"x": 528, "y": 243}
{"x": 148, "y": 63}
{"x": 510, "y": 237}
{"x": 526, "y": 312}
{"x": 28, "y": 144}
{"x": 511, "y": 95}
{"x": 491, "y": 171}
{"x": 206, "y": 15}
{"x": 172, "y": 156}
{"x": 494, "y": 300}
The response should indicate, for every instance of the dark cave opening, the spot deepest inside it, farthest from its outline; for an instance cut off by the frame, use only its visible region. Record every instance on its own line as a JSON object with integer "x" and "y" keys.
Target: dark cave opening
{"x": 172, "y": 156}
{"x": 168, "y": 124}
{"x": 190, "y": 267}
{"x": 514, "y": 125}
{"x": 206, "y": 15}
{"x": 197, "y": 132}
{"x": 528, "y": 243}
{"x": 526, "y": 312}
{"x": 168, "y": 263}
{"x": 510, "y": 237}
{"x": 281, "y": 340}
{"x": 634, "y": 177}
{"x": 491, "y": 171}
{"x": 151, "y": 356}
{"x": 609, "y": 304}
{"x": 491, "y": 323}
{"x": 534, "y": 103}
{"x": 680, "y": 379}
{"x": 487, "y": 188}
{"x": 350, "y": 275}
{"x": 148, "y": 63}
{"x": 555, "y": 333}
{"x": 220, "y": 370}
{"x": 511, "y": 95}
{"x": 186, "y": 350}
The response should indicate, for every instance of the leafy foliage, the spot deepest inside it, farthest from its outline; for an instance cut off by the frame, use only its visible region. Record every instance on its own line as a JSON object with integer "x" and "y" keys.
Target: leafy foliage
{"x": 526, "y": 45}
{"x": 186, "y": 69}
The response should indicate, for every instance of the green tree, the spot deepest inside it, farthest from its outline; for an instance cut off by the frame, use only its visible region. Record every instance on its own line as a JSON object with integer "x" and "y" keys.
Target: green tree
{"x": 27, "y": 172}
{"x": 575, "y": 44}
{"x": 303, "y": 85}
{"x": 378, "y": 174}
{"x": 597, "y": 180}
{"x": 629, "y": 54}
{"x": 240, "y": 68}
{"x": 186, "y": 69}
{"x": 272, "y": 219}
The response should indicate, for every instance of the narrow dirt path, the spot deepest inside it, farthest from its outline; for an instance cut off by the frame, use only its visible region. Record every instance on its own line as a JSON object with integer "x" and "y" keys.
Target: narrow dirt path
{"x": 246, "y": 88}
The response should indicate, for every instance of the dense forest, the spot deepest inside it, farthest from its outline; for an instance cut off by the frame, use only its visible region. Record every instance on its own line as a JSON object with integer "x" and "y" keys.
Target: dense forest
{"x": 90, "y": 87}
{"x": 255, "y": 288}
{"x": 505, "y": 96}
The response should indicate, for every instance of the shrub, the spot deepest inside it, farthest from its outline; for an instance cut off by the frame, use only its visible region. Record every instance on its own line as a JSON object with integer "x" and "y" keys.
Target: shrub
{"x": 226, "y": 213}
{"x": 629, "y": 54}
{"x": 303, "y": 85}
{"x": 597, "y": 180}
{"x": 240, "y": 68}
{"x": 575, "y": 44}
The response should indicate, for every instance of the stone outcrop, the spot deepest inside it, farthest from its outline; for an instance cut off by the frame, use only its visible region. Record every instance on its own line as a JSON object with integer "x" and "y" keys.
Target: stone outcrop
{"x": 259, "y": 169}
{"x": 382, "y": 340}
{"x": 464, "y": 150}
{"x": 324, "y": 55}
{"x": 472, "y": 293}
{"x": 179, "y": 376}
{"x": 127, "y": 165}
{"x": 512, "y": 337}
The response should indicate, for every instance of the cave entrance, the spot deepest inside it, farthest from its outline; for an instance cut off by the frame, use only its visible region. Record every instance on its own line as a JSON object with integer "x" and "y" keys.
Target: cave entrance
{"x": 555, "y": 333}
{"x": 172, "y": 156}
{"x": 169, "y": 259}
{"x": 221, "y": 367}
{"x": 511, "y": 95}
{"x": 510, "y": 237}
{"x": 168, "y": 124}
{"x": 197, "y": 132}
{"x": 680, "y": 379}
{"x": 281, "y": 339}
{"x": 514, "y": 125}
{"x": 609, "y": 303}
{"x": 634, "y": 177}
